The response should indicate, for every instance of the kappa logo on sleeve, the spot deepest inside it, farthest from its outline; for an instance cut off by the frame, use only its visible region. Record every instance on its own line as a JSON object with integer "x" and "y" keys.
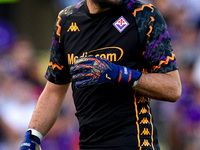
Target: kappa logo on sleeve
{"x": 73, "y": 27}
{"x": 121, "y": 24}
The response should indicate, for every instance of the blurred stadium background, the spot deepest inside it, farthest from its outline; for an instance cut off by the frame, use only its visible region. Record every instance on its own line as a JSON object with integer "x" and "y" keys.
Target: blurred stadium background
{"x": 26, "y": 28}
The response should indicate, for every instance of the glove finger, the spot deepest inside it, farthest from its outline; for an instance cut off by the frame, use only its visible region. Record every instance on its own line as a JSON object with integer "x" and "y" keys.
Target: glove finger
{"x": 81, "y": 76}
{"x": 103, "y": 63}
{"x": 94, "y": 62}
{"x": 80, "y": 68}
{"x": 83, "y": 60}
{"x": 85, "y": 68}
{"x": 91, "y": 61}
{"x": 84, "y": 83}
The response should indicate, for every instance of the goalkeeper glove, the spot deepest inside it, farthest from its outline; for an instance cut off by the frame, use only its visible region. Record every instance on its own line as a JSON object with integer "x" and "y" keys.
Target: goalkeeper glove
{"x": 31, "y": 142}
{"x": 91, "y": 71}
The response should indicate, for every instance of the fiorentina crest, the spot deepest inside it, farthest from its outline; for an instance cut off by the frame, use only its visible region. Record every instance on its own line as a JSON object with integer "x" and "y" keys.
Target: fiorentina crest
{"x": 121, "y": 24}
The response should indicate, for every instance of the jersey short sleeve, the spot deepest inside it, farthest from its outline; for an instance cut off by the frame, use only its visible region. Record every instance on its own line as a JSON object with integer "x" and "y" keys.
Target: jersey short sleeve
{"x": 58, "y": 69}
{"x": 154, "y": 35}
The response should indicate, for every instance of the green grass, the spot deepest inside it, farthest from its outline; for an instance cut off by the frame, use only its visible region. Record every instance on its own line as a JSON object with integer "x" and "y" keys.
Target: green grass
{"x": 8, "y": 1}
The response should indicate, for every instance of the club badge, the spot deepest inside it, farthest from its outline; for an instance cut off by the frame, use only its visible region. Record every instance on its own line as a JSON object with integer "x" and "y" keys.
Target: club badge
{"x": 121, "y": 24}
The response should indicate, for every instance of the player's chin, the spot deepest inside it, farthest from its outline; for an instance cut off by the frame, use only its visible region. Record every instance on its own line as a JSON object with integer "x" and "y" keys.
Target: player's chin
{"x": 108, "y": 3}
{"x": 117, "y": 2}
{"x": 112, "y": 4}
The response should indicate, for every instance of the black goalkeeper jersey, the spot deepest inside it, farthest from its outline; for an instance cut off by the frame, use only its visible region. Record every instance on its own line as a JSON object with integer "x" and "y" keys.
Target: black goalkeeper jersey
{"x": 112, "y": 116}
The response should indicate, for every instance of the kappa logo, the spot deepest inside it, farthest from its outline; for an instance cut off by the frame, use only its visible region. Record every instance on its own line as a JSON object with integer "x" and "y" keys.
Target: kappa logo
{"x": 121, "y": 24}
{"x": 73, "y": 27}
{"x": 145, "y": 132}
{"x": 146, "y": 143}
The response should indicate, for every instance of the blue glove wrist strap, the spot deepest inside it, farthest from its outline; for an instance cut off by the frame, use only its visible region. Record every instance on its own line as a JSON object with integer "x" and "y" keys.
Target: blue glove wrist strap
{"x": 29, "y": 136}
{"x": 127, "y": 75}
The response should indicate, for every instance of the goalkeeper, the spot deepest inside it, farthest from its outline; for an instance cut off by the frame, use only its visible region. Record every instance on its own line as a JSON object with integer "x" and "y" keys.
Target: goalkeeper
{"x": 118, "y": 56}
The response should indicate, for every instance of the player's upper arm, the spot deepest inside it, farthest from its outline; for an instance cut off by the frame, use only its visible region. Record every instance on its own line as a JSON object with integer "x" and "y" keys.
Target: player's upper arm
{"x": 159, "y": 51}
{"x": 58, "y": 69}
{"x": 55, "y": 91}
{"x": 154, "y": 39}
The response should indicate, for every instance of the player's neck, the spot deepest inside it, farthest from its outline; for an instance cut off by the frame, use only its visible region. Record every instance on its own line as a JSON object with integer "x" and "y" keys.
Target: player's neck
{"x": 94, "y": 9}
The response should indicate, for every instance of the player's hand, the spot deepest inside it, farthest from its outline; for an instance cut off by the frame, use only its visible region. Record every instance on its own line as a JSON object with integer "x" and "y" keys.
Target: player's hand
{"x": 90, "y": 71}
{"x": 30, "y": 142}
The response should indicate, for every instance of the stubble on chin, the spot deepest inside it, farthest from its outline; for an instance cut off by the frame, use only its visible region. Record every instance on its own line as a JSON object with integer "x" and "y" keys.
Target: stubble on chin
{"x": 107, "y": 3}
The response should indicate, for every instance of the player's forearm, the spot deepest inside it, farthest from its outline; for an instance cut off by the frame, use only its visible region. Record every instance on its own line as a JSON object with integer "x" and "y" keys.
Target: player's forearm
{"x": 166, "y": 87}
{"x": 43, "y": 119}
{"x": 47, "y": 110}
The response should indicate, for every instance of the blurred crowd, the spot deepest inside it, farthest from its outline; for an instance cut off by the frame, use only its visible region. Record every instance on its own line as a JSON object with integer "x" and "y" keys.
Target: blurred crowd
{"x": 21, "y": 84}
{"x": 179, "y": 123}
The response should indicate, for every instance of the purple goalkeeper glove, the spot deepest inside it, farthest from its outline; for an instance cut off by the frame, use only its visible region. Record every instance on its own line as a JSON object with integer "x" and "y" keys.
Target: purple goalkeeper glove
{"x": 91, "y": 71}
{"x": 30, "y": 142}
